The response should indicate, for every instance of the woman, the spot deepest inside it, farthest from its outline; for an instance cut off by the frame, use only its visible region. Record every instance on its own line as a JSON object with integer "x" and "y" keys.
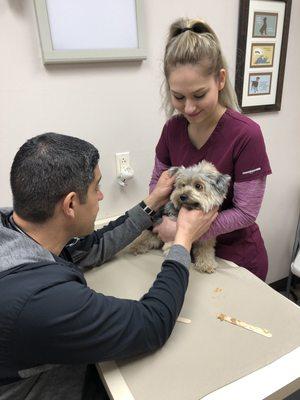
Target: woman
{"x": 207, "y": 126}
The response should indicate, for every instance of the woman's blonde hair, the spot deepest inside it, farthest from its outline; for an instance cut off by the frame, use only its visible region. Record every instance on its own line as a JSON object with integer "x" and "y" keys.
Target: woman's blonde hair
{"x": 192, "y": 41}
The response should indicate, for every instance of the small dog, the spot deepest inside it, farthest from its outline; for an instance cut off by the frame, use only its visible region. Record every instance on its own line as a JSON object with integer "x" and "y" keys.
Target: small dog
{"x": 201, "y": 186}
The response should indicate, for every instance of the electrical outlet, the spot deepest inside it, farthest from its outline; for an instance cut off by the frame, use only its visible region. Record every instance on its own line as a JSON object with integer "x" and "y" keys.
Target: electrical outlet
{"x": 122, "y": 161}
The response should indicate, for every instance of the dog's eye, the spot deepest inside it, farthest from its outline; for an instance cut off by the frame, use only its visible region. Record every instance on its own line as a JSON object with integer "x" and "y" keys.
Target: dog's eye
{"x": 182, "y": 185}
{"x": 198, "y": 186}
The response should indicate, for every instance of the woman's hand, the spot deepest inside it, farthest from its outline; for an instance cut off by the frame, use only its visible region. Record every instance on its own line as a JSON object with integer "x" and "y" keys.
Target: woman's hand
{"x": 166, "y": 231}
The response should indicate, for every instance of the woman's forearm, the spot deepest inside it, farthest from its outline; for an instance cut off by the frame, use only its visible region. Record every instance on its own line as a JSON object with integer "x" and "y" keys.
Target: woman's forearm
{"x": 158, "y": 169}
{"x": 247, "y": 201}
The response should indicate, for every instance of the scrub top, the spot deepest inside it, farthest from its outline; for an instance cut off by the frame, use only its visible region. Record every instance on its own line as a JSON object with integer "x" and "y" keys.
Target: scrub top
{"x": 236, "y": 147}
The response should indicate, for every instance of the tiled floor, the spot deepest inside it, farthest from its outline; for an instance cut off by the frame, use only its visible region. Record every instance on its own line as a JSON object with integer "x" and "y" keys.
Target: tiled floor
{"x": 295, "y": 297}
{"x": 294, "y": 293}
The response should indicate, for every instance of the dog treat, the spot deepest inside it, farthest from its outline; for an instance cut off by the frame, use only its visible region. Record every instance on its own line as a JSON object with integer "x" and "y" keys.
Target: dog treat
{"x": 184, "y": 320}
{"x": 242, "y": 324}
{"x": 218, "y": 290}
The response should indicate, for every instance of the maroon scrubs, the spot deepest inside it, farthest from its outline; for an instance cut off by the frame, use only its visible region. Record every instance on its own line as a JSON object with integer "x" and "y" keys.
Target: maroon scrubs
{"x": 236, "y": 147}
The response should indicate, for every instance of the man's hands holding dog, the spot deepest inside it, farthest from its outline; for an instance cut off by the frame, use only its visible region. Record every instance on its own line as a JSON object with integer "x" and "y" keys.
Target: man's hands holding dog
{"x": 189, "y": 227}
{"x": 190, "y": 224}
{"x": 166, "y": 230}
{"x": 160, "y": 195}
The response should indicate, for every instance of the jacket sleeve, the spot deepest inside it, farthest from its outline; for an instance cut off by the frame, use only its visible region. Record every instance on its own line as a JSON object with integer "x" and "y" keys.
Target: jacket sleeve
{"x": 103, "y": 244}
{"x": 70, "y": 323}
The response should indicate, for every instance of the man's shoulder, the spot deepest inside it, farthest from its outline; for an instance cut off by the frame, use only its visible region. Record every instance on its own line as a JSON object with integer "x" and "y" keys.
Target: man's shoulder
{"x": 34, "y": 283}
{"x": 30, "y": 278}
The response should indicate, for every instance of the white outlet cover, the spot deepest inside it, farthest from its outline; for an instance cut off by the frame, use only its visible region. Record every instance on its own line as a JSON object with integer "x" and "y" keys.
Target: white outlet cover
{"x": 122, "y": 161}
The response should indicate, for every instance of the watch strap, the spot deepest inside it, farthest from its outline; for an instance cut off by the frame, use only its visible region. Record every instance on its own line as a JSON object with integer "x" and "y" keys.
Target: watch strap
{"x": 147, "y": 209}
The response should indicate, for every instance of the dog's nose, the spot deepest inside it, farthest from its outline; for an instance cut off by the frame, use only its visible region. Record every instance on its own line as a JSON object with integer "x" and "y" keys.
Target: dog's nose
{"x": 183, "y": 197}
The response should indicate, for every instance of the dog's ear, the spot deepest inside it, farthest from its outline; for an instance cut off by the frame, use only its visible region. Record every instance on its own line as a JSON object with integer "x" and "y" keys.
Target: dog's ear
{"x": 222, "y": 183}
{"x": 173, "y": 171}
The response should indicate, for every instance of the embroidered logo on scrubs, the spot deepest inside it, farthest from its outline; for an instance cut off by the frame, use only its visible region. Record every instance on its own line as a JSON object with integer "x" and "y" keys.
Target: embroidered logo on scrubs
{"x": 251, "y": 171}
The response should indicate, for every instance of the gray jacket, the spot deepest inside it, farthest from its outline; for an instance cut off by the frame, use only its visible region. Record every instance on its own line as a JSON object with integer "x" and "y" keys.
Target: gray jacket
{"x": 53, "y": 325}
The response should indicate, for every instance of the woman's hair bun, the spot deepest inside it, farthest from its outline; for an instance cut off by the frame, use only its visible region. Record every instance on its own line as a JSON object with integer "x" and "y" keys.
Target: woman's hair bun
{"x": 197, "y": 27}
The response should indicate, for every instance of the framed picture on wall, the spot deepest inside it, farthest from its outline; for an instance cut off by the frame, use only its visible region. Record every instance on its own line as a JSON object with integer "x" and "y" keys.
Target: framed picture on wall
{"x": 90, "y": 30}
{"x": 261, "y": 53}
{"x": 259, "y": 84}
{"x": 265, "y": 24}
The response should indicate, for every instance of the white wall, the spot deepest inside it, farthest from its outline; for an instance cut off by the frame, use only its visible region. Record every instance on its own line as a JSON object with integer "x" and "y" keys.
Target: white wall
{"x": 117, "y": 107}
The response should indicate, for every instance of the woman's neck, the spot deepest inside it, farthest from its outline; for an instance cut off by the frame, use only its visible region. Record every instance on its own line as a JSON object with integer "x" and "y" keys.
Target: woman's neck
{"x": 199, "y": 133}
{"x": 210, "y": 122}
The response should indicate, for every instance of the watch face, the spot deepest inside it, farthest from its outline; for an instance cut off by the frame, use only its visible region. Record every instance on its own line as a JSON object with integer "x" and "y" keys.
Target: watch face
{"x": 150, "y": 212}
{"x": 147, "y": 209}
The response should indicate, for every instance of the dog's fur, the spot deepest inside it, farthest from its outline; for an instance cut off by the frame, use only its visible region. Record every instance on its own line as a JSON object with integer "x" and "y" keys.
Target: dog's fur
{"x": 198, "y": 187}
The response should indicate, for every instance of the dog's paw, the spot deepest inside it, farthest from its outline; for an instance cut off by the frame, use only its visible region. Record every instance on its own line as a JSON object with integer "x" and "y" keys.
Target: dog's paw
{"x": 145, "y": 242}
{"x": 137, "y": 248}
{"x": 166, "y": 248}
{"x": 202, "y": 266}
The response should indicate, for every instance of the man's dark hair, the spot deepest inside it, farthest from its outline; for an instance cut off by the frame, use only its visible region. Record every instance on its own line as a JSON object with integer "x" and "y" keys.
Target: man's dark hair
{"x": 48, "y": 167}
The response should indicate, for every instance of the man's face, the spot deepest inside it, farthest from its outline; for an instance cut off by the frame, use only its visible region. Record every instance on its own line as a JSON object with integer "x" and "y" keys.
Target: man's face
{"x": 88, "y": 211}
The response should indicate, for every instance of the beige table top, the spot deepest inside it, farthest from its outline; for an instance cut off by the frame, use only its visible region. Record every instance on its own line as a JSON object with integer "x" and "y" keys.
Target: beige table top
{"x": 206, "y": 354}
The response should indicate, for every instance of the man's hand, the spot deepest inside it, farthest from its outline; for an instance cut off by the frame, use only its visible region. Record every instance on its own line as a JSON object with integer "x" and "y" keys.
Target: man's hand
{"x": 166, "y": 230}
{"x": 191, "y": 225}
{"x": 160, "y": 194}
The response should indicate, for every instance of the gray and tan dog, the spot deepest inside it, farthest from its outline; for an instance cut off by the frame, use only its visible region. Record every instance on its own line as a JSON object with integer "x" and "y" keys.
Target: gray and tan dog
{"x": 201, "y": 186}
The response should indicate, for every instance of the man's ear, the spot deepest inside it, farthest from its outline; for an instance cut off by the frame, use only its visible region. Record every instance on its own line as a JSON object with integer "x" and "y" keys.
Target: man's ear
{"x": 69, "y": 204}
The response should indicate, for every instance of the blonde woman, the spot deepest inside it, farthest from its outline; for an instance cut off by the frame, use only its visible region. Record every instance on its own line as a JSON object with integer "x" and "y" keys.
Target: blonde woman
{"x": 205, "y": 124}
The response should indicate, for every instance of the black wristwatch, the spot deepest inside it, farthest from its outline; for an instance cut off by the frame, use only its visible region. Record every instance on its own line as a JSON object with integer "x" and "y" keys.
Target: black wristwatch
{"x": 147, "y": 209}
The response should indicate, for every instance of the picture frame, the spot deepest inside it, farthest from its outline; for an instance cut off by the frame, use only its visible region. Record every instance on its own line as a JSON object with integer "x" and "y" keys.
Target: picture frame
{"x": 90, "y": 30}
{"x": 261, "y": 54}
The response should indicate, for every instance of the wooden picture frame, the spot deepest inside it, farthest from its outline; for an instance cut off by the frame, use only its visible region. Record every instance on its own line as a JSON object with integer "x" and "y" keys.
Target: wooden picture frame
{"x": 90, "y": 30}
{"x": 261, "y": 54}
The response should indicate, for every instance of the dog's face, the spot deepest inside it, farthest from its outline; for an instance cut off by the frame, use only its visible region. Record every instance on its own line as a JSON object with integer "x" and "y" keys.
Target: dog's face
{"x": 201, "y": 186}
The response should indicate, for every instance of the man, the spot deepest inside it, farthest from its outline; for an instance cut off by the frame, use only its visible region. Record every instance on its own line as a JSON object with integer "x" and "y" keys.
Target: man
{"x": 52, "y": 325}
